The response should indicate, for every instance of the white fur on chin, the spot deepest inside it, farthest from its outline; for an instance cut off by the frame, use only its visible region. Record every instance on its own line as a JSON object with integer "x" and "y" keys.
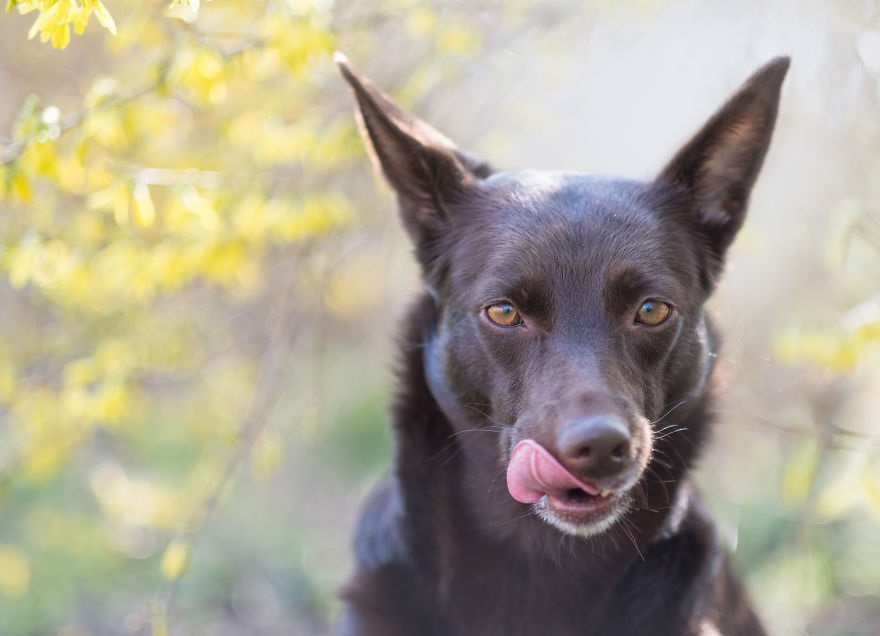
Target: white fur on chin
{"x": 546, "y": 514}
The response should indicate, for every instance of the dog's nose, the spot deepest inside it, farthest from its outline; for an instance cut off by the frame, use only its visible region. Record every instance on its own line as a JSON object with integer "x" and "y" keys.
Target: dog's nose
{"x": 595, "y": 447}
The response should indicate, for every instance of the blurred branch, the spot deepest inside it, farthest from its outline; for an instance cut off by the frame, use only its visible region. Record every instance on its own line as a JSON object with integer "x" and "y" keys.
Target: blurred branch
{"x": 269, "y": 389}
{"x": 841, "y": 437}
{"x": 12, "y": 151}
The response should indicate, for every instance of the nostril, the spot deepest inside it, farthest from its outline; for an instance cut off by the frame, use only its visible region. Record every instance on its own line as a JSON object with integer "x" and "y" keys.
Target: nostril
{"x": 584, "y": 452}
{"x": 619, "y": 452}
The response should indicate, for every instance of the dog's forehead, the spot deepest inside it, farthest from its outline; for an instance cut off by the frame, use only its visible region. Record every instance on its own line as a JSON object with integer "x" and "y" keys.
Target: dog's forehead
{"x": 547, "y": 211}
{"x": 535, "y": 186}
{"x": 540, "y": 229}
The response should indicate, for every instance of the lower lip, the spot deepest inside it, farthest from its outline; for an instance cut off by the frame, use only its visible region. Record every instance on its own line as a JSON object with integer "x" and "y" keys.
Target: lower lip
{"x": 579, "y": 512}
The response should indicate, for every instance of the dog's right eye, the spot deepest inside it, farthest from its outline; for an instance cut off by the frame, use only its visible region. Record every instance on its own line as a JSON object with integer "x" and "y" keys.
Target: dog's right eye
{"x": 503, "y": 315}
{"x": 653, "y": 313}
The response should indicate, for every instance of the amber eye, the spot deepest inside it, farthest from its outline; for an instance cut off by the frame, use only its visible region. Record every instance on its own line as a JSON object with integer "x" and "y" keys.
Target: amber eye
{"x": 653, "y": 313}
{"x": 503, "y": 315}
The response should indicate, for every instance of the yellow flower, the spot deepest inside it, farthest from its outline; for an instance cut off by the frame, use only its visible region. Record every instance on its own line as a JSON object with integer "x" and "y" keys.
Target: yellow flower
{"x": 174, "y": 559}
{"x": 15, "y": 572}
{"x": 102, "y": 14}
{"x": 56, "y": 16}
{"x": 53, "y": 23}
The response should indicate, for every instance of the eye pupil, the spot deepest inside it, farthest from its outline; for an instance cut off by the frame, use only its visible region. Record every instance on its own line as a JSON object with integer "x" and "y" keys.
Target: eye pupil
{"x": 503, "y": 315}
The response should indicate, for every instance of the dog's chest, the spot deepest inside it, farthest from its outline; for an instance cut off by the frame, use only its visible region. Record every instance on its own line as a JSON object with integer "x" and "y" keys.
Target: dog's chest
{"x": 492, "y": 594}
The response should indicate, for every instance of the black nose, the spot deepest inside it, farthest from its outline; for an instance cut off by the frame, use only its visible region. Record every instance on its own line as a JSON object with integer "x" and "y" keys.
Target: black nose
{"x": 596, "y": 446}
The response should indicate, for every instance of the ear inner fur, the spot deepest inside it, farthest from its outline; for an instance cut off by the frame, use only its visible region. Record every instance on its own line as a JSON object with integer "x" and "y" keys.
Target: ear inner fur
{"x": 720, "y": 164}
{"x": 421, "y": 164}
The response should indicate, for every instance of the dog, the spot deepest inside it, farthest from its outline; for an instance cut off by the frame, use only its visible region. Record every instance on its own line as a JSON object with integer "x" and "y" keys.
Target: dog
{"x": 555, "y": 388}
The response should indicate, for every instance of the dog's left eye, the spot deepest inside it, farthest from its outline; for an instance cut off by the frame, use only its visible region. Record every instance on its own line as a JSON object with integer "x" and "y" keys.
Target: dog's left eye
{"x": 653, "y": 313}
{"x": 503, "y": 315}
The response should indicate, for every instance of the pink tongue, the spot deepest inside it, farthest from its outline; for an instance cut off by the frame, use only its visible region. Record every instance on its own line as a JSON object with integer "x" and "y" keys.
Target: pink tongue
{"x": 533, "y": 472}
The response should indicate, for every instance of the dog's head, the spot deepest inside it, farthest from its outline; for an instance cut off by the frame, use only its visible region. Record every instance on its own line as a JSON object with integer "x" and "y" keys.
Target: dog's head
{"x": 569, "y": 308}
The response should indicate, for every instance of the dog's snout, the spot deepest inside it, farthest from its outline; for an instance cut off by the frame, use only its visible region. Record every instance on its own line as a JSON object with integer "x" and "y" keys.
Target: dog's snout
{"x": 595, "y": 447}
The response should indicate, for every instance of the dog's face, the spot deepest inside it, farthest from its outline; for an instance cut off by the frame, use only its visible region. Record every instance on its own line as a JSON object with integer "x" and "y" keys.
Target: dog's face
{"x": 569, "y": 308}
{"x": 570, "y": 313}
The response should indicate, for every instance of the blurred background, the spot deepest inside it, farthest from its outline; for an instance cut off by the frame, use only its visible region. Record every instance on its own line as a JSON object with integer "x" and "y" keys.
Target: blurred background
{"x": 200, "y": 281}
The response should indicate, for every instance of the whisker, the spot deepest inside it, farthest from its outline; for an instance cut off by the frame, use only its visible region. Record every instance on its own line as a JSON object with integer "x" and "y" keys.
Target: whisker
{"x": 675, "y": 406}
{"x": 456, "y": 449}
{"x": 665, "y": 428}
{"x": 674, "y": 449}
{"x": 497, "y": 475}
{"x": 666, "y": 463}
{"x": 528, "y": 513}
{"x": 475, "y": 407}
{"x": 626, "y": 530}
{"x": 668, "y": 432}
{"x": 485, "y": 429}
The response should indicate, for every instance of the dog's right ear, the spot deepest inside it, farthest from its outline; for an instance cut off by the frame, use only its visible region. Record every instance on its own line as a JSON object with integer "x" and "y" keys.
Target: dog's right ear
{"x": 423, "y": 166}
{"x": 720, "y": 164}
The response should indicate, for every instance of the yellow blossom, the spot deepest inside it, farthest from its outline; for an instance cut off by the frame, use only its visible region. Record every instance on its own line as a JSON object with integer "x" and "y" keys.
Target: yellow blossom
{"x": 15, "y": 572}
{"x": 56, "y": 16}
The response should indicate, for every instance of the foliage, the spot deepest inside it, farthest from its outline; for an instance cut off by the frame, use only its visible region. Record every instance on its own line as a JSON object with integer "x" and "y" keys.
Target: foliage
{"x": 146, "y": 232}
{"x": 129, "y": 223}
{"x": 848, "y": 350}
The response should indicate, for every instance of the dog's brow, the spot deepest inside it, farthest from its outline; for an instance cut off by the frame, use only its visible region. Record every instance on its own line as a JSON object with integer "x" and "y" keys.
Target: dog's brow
{"x": 528, "y": 293}
{"x": 627, "y": 285}
{"x": 627, "y": 279}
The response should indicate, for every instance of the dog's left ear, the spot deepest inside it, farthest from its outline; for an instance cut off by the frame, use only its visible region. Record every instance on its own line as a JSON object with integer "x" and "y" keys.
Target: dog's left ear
{"x": 423, "y": 166}
{"x": 720, "y": 164}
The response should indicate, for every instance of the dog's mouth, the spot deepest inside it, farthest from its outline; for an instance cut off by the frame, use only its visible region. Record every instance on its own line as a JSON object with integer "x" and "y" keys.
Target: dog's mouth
{"x": 535, "y": 476}
{"x": 578, "y": 512}
{"x": 577, "y": 496}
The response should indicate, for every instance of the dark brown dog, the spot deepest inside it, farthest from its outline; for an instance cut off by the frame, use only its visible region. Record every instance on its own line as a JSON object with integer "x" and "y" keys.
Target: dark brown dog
{"x": 561, "y": 342}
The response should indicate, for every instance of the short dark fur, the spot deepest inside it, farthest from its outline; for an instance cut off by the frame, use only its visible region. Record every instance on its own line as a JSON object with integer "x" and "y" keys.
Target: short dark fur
{"x": 442, "y": 547}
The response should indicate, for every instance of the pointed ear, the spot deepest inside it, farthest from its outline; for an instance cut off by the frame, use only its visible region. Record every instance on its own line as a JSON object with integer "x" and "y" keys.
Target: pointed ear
{"x": 719, "y": 165}
{"x": 423, "y": 166}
